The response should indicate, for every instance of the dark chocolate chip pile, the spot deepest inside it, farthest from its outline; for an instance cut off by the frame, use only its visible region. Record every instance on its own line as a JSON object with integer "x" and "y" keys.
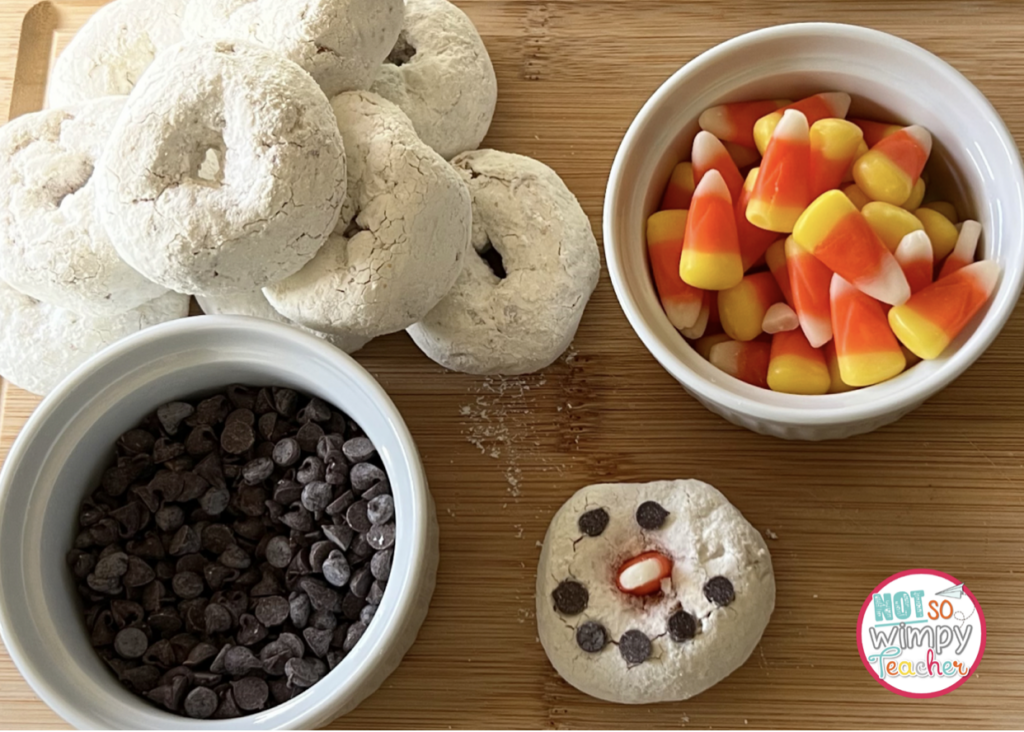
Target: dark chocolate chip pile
{"x": 236, "y": 550}
{"x": 719, "y": 590}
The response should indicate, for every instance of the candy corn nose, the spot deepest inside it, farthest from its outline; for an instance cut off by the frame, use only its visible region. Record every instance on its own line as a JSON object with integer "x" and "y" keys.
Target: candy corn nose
{"x": 643, "y": 574}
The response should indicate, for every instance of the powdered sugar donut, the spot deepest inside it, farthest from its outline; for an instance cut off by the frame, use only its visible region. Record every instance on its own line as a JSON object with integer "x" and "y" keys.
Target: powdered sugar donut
{"x": 440, "y": 74}
{"x": 651, "y": 592}
{"x": 108, "y": 55}
{"x": 523, "y": 321}
{"x": 255, "y": 305}
{"x": 225, "y": 172}
{"x": 41, "y": 344}
{"x": 406, "y": 224}
{"x": 52, "y": 247}
{"x": 341, "y": 43}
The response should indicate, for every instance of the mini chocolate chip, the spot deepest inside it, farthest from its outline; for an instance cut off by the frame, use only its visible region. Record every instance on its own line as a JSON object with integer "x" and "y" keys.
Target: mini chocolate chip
{"x": 367, "y": 613}
{"x": 215, "y": 501}
{"x": 316, "y": 496}
{"x": 211, "y": 470}
{"x": 250, "y": 693}
{"x": 287, "y": 452}
{"x": 250, "y": 630}
{"x": 364, "y": 476}
{"x": 328, "y": 444}
{"x": 318, "y": 640}
{"x": 357, "y": 517}
{"x": 112, "y": 566}
{"x": 166, "y": 450}
{"x": 237, "y": 437}
{"x": 131, "y": 643}
{"x": 334, "y": 657}
{"x": 217, "y": 537}
{"x": 720, "y": 591}
{"x": 304, "y": 672}
{"x": 279, "y": 552}
{"x": 227, "y": 709}
{"x": 594, "y": 522}
{"x": 380, "y": 510}
{"x": 272, "y": 611}
{"x": 380, "y": 564}
{"x": 381, "y": 537}
{"x": 309, "y": 436}
{"x": 200, "y": 654}
{"x": 258, "y": 470}
{"x": 351, "y": 606}
{"x": 300, "y": 520}
{"x": 235, "y": 557}
{"x": 83, "y": 563}
{"x": 218, "y": 619}
{"x": 340, "y": 535}
{"x": 570, "y": 597}
{"x": 635, "y": 647}
{"x": 336, "y": 569}
{"x": 354, "y": 635}
{"x": 650, "y": 515}
{"x": 108, "y": 586}
{"x": 299, "y": 609}
{"x": 173, "y": 414}
{"x": 187, "y": 585}
{"x": 340, "y": 504}
{"x": 136, "y": 441}
{"x": 170, "y": 518}
{"x": 591, "y": 636}
{"x": 207, "y": 679}
{"x": 201, "y": 440}
{"x": 286, "y": 401}
{"x": 268, "y": 584}
{"x": 287, "y": 492}
{"x": 141, "y": 678}
{"x": 170, "y": 695}
{"x": 323, "y": 620}
{"x": 682, "y": 627}
{"x": 376, "y": 593}
{"x": 184, "y": 541}
{"x": 318, "y": 553}
{"x": 201, "y": 703}
{"x": 380, "y": 489}
{"x": 311, "y": 469}
{"x": 359, "y": 449}
{"x": 239, "y": 660}
{"x": 316, "y": 411}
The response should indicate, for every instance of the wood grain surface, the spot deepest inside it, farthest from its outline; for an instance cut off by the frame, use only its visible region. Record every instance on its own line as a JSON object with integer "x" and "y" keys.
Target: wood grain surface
{"x": 940, "y": 489}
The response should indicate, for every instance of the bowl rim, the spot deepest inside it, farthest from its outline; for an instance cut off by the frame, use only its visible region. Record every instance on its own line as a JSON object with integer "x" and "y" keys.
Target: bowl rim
{"x": 744, "y": 398}
{"x": 317, "y": 709}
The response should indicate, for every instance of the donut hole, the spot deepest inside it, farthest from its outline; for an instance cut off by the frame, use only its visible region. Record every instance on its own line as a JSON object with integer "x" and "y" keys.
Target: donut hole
{"x": 403, "y": 52}
{"x": 493, "y": 258}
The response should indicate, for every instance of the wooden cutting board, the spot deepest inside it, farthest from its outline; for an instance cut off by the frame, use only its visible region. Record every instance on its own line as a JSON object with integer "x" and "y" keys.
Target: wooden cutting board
{"x": 941, "y": 489}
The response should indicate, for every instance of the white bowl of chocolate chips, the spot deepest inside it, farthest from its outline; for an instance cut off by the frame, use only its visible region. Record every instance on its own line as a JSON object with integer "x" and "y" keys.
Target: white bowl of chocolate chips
{"x": 219, "y": 523}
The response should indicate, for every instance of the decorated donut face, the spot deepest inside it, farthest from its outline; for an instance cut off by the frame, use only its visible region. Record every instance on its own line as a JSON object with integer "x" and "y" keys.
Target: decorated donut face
{"x": 646, "y": 575}
{"x": 651, "y": 592}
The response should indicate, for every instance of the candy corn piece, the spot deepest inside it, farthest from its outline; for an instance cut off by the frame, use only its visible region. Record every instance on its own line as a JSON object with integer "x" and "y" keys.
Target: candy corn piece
{"x": 782, "y": 188}
{"x": 833, "y": 230}
{"x": 742, "y": 308}
{"x": 775, "y": 257}
{"x": 746, "y": 361}
{"x": 891, "y": 223}
{"x": 704, "y": 345}
{"x": 698, "y": 329}
{"x": 946, "y": 209}
{"x": 779, "y": 319}
{"x": 857, "y": 197}
{"x": 838, "y": 386}
{"x": 811, "y": 281}
{"x": 893, "y": 166}
{"x": 711, "y": 249}
{"x": 710, "y": 154}
{"x": 680, "y": 188}
{"x": 936, "y": 315}
{"x": 916, "y": 196}
{"x": 819, "y": 106}
{"x": 834, "y": 146}
{"x": 796, "y": 367}
{"x": 681, "y": 302}
{"x": 873, "y": 131}
{"x": 965, "y": 249}
{"x": 867, "y": 351}
{"x": 735, "y": 122}
{"x": 915, "y": 257}
{"x": 754, "y": 242}
{"x": 941, "y": 231}
{"x": 744, "y": 157}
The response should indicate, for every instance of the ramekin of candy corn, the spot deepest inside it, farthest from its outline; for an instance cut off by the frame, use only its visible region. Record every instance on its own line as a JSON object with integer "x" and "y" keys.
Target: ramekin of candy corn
{"x": 808, "y": 237}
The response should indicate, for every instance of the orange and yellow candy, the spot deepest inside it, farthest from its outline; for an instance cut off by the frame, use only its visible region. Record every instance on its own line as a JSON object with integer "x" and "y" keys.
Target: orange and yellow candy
{"x": 782, "y": 188}
{"x": 834, "y": 147}
{"x": 875, "y": 132}
{"x": 965, "y": 249}
{"x": 917, "y": 260}
{"x": 744, "y": 360}
{"x": 892, "y": 167}
{"x": 742, "y": 308}
{"x": 932, "y": 318}
{"x": 681, "y": 302}
{"x": 838, "y": 386}
{"x": 679, "y": 192}
{"x": 811, "y": 281}
{"x": 834, "y": 231}
{"x": 754, "y": 242}
{"x": 711, "y": 250}
{"x": 796, "y": 367}
{"x": 710, "y": 154}
{"x": 734, "y": 122}
{"x": 866, "y": 348}
{"x": 891, "y": 223}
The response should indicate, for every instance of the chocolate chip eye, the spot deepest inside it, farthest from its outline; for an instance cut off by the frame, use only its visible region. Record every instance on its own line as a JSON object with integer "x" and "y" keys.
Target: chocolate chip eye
{"x": 682, "y": 627}
{"x": 651, "y": 515}
{"x": 593, "y": 523}
{"x": 591, "y": 637}
{"x": 720, "y": 591}
{"x": 635, "y": 647}
{"x": 570, "y": 597}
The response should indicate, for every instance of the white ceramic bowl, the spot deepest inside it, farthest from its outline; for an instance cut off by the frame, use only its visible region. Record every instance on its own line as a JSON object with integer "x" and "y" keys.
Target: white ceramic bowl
{"x": 975, "y": 164}
{"x": 58, "y": 459}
